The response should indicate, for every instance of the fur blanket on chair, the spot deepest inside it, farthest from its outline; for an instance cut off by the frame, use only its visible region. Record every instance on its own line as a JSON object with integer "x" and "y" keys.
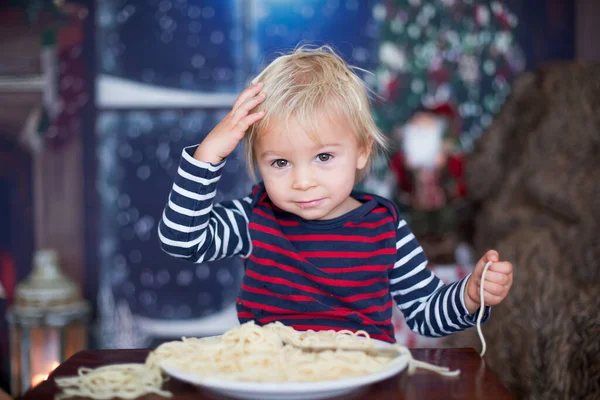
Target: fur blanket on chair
{"x": 535, "y": 181}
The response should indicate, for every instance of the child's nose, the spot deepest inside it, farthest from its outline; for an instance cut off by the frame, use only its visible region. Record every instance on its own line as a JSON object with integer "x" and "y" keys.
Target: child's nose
{"x": 303, "y": 178}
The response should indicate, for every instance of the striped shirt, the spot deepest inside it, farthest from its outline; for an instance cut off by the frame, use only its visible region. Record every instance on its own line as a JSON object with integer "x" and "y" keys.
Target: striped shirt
{"x": 343, "y": 273}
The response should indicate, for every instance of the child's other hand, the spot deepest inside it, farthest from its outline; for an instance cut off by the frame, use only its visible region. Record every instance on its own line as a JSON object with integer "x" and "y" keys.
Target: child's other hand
{"x": 498, "y": 280}
{"x": 223, "y": 139}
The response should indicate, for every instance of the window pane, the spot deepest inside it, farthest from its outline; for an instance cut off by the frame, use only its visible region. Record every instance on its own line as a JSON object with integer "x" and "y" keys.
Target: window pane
{"x": 348, "y": 25}
{"x": 177, "y": 44}
{"x": 137, "y": 157}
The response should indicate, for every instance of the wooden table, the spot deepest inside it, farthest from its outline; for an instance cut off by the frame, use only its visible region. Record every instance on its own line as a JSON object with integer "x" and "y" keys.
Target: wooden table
{"x": 475, "y": 382}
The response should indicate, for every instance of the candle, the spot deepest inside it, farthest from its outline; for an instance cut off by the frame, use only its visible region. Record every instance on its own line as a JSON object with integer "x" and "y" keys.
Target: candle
{"x": 38, "y": 378}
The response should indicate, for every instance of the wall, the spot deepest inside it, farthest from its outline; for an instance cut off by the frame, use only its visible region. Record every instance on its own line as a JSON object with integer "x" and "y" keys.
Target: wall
{"x": 587, "y": 24}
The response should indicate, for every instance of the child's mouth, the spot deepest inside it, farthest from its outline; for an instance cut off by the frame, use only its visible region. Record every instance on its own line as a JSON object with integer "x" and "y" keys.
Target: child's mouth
{"x": 309, "y": 204}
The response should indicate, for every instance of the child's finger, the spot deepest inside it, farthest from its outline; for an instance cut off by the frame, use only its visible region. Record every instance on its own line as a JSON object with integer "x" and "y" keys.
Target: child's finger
{"x": 490, "y": 255}
{"x": 248, "y": 120}
{"x": 492, "y": 287}
{"x": 497, "y": 277}
{"x": 247, "y": 94}
{"x": 504, "y": 267}
{"x": 250, "y": 104}
{"x": 491, "y": 299}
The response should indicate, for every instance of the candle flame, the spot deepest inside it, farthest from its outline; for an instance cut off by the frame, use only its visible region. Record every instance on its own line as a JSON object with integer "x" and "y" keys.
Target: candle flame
{"x": 39, "y": 378}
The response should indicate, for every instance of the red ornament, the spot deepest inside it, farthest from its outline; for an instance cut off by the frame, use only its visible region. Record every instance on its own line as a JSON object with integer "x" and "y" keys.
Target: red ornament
{"x": 392, "y": 88}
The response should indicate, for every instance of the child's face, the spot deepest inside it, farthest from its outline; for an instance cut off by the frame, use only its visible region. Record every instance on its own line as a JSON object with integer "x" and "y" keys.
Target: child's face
{"x": 308, "y": 178}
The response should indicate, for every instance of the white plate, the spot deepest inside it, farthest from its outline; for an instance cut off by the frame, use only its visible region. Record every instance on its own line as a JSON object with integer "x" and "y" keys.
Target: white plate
{"x": 289, "y": 390}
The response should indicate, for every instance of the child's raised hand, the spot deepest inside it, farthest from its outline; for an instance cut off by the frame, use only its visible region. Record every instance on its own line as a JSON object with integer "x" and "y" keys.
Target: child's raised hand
{"x": 498, "y": 280}
{"x": 224, "y": 137}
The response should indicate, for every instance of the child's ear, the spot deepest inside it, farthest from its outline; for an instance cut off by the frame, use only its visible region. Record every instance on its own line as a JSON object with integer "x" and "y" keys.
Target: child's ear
{"x": 364, "y": 153}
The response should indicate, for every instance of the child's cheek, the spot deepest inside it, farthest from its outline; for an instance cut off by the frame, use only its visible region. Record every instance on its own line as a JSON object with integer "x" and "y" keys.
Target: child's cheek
{"x": 330, "y": 165}
{"x": 270, "y": 172}
{"x": 277, "y": 181}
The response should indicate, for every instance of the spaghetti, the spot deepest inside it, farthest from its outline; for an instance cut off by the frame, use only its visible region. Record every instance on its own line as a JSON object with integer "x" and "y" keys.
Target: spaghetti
{"x": 126, "y": 381}
{"x": 257, "y": 354}
{"x": 482, "y": 309}
{"x": 246, "y": 353}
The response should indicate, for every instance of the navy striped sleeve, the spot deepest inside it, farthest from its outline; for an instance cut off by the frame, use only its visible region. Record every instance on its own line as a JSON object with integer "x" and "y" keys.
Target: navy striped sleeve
{"x": 430, "y": 308}
{"x": 191, "y": 227}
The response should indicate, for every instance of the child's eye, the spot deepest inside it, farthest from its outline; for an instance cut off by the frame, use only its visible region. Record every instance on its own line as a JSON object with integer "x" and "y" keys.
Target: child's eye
{"x": 324, "y": 157}
{"x": 280, "y": 163}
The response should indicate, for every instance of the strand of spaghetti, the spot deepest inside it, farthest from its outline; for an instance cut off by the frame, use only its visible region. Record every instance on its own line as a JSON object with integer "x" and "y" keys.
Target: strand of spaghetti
{"x": 482, "y": 309}
{"x": 126, "y": 381}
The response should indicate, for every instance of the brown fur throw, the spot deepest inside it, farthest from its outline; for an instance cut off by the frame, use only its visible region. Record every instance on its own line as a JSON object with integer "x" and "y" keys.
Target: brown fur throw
{"x": 535, "y": 181}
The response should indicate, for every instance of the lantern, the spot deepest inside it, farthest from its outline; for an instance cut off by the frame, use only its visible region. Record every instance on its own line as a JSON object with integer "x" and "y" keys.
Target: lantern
{"x": 47, "y": 322}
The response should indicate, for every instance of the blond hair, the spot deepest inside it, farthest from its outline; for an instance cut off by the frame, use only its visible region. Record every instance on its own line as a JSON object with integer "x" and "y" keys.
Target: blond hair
{"x": 306, "y": 83}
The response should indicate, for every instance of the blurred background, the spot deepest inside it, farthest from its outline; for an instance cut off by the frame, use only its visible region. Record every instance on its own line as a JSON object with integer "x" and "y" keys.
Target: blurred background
{"x": 99, "y": 98}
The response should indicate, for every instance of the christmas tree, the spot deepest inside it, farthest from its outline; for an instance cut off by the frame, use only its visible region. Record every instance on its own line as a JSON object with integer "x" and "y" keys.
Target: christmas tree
{"x": 459, "y": 52}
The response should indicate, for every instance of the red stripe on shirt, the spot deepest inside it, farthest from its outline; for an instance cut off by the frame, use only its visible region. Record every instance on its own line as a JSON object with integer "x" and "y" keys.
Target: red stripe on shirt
{"x": 346, "y": 254}
{"x": 394, "y": 214}
{"x": 263, "y": 197}
{"x": 272, "y": 218}
{"x": 291, "y": 254}
{"x": 327, "y": 281}
{"x": 310, "y": 289}
{"x": 285, "y": 282}
{"x": 346, "y": 238}
{"x": 273, "y": 309}
{"x": 335, "y": 313}
{"x": 370, "y": 309}
{"x": 266, "y": 320}
{"x": 315, "y": 237}
{"x": 357, "y": 268}
{"x": 368, "y": 224}
{"x": 364, "y": 296}
{"x": 292, "y": 297}
{"x": 246, "y": 314}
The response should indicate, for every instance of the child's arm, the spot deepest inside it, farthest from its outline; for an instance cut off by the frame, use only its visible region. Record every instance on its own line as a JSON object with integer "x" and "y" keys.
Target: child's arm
{"x": 190, "y": 226}
{"x": 430, "y": 308}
